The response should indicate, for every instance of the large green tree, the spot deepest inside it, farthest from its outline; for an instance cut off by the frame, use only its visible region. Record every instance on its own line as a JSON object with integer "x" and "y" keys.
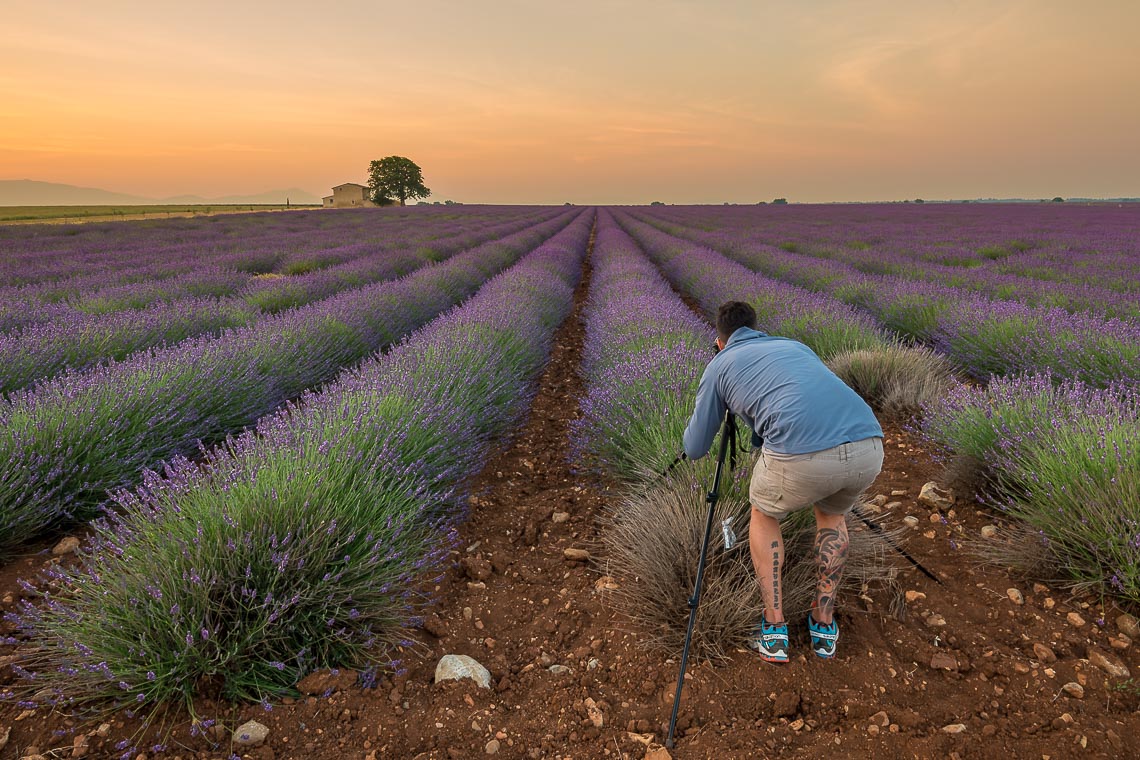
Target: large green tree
{"x": 395, "y": 178}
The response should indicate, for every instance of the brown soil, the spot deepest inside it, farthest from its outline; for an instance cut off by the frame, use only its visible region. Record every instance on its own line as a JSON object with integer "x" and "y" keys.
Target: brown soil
{"x": 514, "y": 602}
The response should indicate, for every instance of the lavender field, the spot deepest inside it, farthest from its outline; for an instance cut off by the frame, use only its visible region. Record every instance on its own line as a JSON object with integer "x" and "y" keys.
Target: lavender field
{"x": 257, "y": 417}
{"x": 1035, "y": 309}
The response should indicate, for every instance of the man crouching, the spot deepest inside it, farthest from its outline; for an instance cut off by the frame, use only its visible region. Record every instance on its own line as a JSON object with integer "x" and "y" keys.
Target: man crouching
{"x": 821, "y": 446}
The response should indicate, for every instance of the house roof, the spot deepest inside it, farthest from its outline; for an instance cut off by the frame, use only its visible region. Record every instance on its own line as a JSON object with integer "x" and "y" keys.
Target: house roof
{"x": 349, "y": 184}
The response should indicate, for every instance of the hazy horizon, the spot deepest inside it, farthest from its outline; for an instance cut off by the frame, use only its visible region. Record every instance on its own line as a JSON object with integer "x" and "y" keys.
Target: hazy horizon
{"x": 596, "y": 103}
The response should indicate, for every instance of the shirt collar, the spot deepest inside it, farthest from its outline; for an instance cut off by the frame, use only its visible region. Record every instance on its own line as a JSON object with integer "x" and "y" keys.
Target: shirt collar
{"x": 742, "y": 334}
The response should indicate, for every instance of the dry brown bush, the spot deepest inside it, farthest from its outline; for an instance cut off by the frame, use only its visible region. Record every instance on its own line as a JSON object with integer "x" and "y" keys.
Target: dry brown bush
{"x": 897, "y": 379}
{"x": 653, "y": 541}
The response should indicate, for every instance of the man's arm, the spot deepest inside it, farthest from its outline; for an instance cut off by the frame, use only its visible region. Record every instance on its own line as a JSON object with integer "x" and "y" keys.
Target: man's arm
{"x": 706, "y": 418}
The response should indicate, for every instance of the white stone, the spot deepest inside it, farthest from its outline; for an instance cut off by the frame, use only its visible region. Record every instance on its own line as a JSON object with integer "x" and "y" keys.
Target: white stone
{"x": 936, "y": 497}
{"x": 453, "y": 667}
{"x": 251, "y": 734}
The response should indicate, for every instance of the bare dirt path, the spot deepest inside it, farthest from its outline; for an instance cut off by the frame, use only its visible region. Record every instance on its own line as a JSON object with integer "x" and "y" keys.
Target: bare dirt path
{"x": 967, "y": 672}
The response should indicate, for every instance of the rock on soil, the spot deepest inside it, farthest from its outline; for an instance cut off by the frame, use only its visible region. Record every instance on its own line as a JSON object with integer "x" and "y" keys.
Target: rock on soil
{"x": 1074, "y": 690}
{"x": 66, "y": 546}
{"x": 943, "y": 661}
{"x": 787, "y": 704}
{"x": 476, "y": 568}
{"x": 434, "y": 625}
{"x": 935, "y": 497}
{"x": 251, "y": 734}
{"x": 1109, "y": 664}
{"x": 1129, "y": 626}
{"x": 454, "y": 667}
{"x": 594, "y": 713}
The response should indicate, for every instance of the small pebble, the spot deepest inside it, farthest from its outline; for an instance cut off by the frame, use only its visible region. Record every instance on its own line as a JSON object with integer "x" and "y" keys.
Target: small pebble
{"x": 1074, "y": 690}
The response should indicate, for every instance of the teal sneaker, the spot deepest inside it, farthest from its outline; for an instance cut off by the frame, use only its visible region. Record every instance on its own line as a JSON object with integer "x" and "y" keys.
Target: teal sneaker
{"x": 770, "y": 640}
{"x": 823, "y": 637}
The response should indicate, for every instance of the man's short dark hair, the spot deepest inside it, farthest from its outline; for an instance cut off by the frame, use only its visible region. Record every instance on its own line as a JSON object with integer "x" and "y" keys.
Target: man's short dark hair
{"x": 732, "y": 316}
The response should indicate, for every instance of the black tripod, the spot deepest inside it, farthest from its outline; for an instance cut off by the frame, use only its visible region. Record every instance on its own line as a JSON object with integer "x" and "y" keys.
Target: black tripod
{"x": 727, "y": 434}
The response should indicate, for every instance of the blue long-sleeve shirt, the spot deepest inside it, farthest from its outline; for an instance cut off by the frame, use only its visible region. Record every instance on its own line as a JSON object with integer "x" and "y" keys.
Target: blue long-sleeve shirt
{"x": 783, "y": 392}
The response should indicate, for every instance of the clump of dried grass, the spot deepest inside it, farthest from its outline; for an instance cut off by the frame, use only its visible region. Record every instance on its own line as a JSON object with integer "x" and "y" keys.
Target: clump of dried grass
{"x": 895, "y": 379}
{"x": 653, "y": 541}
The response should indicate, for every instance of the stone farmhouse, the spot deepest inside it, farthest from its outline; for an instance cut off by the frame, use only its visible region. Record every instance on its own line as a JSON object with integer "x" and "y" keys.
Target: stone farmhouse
{"x": 348, "y": 195}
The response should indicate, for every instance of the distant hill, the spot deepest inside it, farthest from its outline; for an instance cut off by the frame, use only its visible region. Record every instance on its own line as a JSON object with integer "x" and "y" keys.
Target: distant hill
{"x": 28, "y": 192}
{"x": 292, "y": 194}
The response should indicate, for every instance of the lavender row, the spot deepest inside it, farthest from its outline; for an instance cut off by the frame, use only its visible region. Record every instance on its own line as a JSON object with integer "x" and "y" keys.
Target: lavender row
{"x": 984, "y": 337}
{"x": 1062, "y": 456}
{"x": 301, "y": 547}
{"x": 262, "y": 272}
{"x": 250, "y": 242}
{"x": 823, "y": 323}
{"x": 70, "y": 439}
{"x": 816, "y": 265}
{"x": 1094, "y": 246}
{"x": 644, "y": 353}
{"x": 79, "y": 340}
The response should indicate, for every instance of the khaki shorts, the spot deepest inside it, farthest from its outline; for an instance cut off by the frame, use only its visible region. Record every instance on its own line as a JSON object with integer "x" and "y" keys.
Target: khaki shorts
{"x": 831, "y": 479}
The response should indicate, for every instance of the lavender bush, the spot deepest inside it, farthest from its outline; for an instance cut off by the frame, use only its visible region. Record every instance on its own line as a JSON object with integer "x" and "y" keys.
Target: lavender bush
{"x": 1064, "y": 457}
{"x": 298, "y": 547}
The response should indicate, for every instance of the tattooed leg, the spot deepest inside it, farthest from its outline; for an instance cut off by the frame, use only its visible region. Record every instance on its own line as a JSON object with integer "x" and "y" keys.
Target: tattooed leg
{"x": 831, "y": 545}
{"x": 767, "y": 548}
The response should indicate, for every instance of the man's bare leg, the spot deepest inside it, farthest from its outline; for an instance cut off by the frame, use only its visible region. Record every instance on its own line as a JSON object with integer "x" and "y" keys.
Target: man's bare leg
{"x": 766, "y": 545}
{"x": 831, "y": 545}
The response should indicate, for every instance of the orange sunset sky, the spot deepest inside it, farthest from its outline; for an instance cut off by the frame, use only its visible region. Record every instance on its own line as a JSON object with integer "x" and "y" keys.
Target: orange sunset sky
{"x": 587, "y": 101}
